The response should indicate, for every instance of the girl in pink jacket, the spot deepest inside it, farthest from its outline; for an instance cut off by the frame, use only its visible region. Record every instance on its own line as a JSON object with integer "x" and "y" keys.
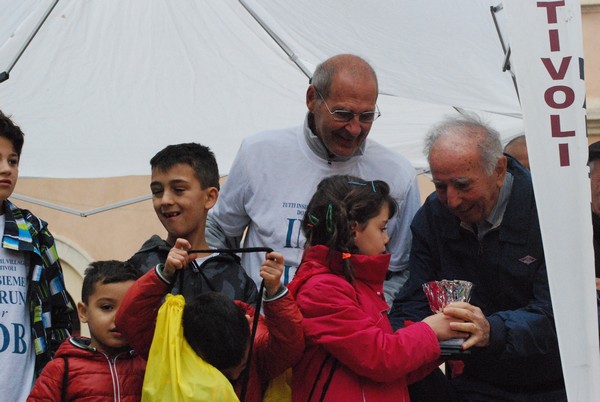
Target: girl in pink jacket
{"x": 352, "y": 353}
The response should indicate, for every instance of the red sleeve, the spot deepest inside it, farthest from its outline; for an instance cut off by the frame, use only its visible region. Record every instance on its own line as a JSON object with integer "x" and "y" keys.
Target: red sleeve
{"x": 136, "y": 317}
{"x": 334, "y": 320}
{"x": 49, "y": 385}
{"x": 281, "y": 345}
{"x": 425, "y": 370}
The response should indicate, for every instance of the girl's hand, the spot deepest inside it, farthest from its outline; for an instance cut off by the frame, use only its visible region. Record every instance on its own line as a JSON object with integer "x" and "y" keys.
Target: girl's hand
{"x": 440, "y": 323}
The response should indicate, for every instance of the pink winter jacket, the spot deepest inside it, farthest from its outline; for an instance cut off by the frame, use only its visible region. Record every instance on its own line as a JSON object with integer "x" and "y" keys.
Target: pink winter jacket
{"x": 352, "y": 353}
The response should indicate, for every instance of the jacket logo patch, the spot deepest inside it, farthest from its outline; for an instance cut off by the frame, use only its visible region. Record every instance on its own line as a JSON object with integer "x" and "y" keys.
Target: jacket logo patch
{"x": 527, "y": 260}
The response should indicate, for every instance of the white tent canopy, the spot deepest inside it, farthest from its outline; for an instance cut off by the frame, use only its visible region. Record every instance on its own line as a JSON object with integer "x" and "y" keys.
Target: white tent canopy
{"x": 106, "y": 84}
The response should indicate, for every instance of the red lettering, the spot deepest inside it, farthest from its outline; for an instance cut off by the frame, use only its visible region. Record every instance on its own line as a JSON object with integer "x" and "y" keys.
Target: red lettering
{"x": 563, "y": 154}
{"x": 551, "y": 9}
{"x": 555, "y": 127}
{"x": 562, "y": 70}
{"x": 557, "y": 74}
{"x": 569, "y": 96}
{"x": 554, "y": 42}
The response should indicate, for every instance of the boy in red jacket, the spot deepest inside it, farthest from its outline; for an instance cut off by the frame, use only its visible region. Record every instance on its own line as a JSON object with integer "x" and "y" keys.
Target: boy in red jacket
{"x": 102, "y": 367}
{"x": 279, "y": 341}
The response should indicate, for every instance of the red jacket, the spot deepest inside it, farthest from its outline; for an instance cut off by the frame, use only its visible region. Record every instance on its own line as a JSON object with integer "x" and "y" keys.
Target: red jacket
{"x": 91, "y": 375}
{"x": 350, "y": 344}
{"x": 279, "y": 338}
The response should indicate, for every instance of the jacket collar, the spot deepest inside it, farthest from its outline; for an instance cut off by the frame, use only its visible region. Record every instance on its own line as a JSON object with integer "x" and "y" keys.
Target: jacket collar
{"x": 155, "y": 243}
{"x": 84, "y": 343}
{"x": 369, "y": 269}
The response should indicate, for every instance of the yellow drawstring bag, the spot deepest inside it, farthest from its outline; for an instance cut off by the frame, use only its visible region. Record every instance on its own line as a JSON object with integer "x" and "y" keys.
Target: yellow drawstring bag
{"x": 174, "y": 371}
{"x": 280, "y": 388}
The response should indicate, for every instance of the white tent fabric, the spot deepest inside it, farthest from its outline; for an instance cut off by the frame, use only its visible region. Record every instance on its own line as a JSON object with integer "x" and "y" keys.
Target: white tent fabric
{"x": 106, "y": 84}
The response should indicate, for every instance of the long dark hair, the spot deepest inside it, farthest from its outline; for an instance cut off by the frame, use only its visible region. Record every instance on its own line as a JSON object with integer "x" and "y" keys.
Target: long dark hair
{"x": 340, "y": 202}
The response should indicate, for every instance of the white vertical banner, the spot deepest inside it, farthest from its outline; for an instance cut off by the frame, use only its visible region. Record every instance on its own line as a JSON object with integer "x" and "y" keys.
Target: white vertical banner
{"x": 547, "y": 58}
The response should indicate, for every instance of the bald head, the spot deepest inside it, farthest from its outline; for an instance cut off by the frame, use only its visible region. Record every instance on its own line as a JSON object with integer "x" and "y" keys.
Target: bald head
{"x": 344, "y": 83}
{"x": 351, "y": 66}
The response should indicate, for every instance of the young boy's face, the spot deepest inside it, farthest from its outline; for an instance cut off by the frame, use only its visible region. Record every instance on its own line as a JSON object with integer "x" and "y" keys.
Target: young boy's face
{"x": 99, "y": 314}
{"x": 180, "y": 202}
{"x": 9, "y": 168}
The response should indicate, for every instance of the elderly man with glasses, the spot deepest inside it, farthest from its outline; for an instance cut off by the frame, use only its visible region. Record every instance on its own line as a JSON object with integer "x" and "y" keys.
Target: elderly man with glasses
{"x": 276, "y": 172}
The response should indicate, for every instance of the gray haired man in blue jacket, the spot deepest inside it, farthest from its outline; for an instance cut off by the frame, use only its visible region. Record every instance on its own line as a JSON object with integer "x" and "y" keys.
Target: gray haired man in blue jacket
{"x": 481, "y": 225}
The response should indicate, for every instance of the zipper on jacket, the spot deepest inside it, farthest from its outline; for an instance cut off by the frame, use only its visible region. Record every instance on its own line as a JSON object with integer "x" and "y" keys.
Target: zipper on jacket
{"x": 112, "y": 367}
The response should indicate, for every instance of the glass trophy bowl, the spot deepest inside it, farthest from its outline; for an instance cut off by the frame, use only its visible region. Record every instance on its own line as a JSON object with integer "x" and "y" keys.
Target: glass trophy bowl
{"x": 440, "y": 294}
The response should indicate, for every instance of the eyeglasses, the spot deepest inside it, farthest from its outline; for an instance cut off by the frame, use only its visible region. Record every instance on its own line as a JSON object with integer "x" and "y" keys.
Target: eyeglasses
{"x": 346, "y": 115}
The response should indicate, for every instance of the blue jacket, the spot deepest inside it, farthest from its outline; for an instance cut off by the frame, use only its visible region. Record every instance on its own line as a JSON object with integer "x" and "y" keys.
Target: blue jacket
{"x": 510, "y": 285}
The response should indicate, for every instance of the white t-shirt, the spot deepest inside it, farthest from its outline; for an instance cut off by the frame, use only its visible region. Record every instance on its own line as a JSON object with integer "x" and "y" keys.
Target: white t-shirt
{"x": 273, "y": 178}
{"x": 200, "y": 260}
{"x": 17, "y": 357}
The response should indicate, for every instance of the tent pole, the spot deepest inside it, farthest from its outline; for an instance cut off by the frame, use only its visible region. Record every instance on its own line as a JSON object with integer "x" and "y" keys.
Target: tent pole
{"x": 506, "y": 64}
{"x": 5, "y": 74}
{"x": 81, "y": 213}
{"x": 278, "y": 40}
